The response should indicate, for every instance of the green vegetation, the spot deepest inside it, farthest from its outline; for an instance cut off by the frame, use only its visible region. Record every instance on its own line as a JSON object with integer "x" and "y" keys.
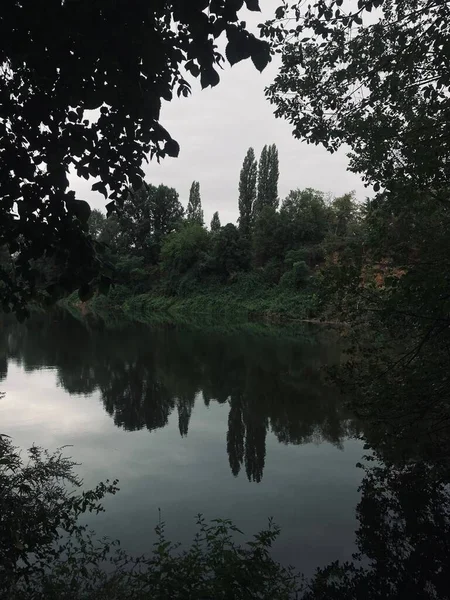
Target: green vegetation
{"x": 271, "y": 266}
{"x": 47, "y": 554}
{"x": 54, "y": 73}
{"x": 379, "y": 87}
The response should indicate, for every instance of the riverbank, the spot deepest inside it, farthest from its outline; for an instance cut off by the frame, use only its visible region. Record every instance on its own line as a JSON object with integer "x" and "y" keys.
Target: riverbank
{"x": 267, "y": 304}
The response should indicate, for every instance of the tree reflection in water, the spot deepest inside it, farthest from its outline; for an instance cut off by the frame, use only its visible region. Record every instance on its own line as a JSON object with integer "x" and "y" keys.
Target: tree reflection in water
{"x": 270, "y": 384}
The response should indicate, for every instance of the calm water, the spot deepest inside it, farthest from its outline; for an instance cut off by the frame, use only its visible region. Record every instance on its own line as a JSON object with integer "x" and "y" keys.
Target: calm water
{"x": 237, "y": 424}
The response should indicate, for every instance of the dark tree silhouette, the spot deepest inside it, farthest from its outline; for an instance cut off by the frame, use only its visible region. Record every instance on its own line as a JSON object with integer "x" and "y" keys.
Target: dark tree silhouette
{"x": 57, "y": 65}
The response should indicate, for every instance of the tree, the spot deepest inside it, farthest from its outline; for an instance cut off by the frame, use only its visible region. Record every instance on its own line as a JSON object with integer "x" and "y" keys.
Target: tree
{"x": 305, "y": 216}
{"x": 247, "y": 191}
{"x": 215, "y": 222}
{"x": 380, "y": 86}
{"x": 230, "y": 251}
{"x": 55, "y": 70}
{"x": 194, "y": 212}
{"x": 269, "y": 237}
{"x": 149, "y": 214}
{"x": 181, "y": 250}
{"x": 344, "y": 213}
{"x": 96, "y": 223}
{"x": 268, "y": 173}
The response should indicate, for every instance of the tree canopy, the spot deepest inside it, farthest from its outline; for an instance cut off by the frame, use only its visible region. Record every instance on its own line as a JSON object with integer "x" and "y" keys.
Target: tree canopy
{"x": 378, "y": 83}
{"x": 63, "y": 59}
{"x": 247, "y": 191}
{"x": 268, "y": 173}
{"x": 194, "y": 212}
{"x": 215, "y": 222}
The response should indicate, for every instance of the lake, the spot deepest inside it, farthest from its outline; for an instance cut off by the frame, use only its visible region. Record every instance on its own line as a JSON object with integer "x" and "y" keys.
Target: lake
{"x": 237, "y": 422}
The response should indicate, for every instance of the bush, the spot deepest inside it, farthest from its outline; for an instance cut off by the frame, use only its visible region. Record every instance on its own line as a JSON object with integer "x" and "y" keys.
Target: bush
{"x": 230, "y": 252}
{"x": 297, "y": 277}
{"x": 272, "y": 271}
{"x": 182, "y": 249}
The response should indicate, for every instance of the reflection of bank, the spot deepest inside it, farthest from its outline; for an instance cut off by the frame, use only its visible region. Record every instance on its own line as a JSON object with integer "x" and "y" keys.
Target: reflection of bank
{"x": 403, "y": 537}
{"x": 145, "y": 374}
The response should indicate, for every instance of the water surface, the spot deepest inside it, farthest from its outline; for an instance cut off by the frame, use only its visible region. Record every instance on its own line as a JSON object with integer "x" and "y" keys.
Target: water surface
{"x": 237, "y": 423}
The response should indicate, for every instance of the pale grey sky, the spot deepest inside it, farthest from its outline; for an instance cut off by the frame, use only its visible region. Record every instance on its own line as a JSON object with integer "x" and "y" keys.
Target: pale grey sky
{"x": 215, "y": 127}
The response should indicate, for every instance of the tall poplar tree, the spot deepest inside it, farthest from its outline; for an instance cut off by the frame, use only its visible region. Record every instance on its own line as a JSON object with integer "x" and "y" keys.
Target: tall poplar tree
{"x": 194, "y": 212}
{"x": 215, "y": 222}
{"x": 247, "y": 191}
{"x": 268, "y": 173}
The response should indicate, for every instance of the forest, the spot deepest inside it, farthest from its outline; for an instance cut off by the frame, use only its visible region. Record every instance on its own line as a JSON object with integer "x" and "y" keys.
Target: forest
{"x": 163, "y": 256}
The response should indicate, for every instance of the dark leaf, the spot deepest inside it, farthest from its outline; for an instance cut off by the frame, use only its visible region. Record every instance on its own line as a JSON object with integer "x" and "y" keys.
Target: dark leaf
{"x": 104, "y": 285}
{"x": 260, "y": 53}
{"x": 85, "y": 292}
{"x": 172, "y": 148}
{"x": 100, "y": 187}
{"x": 253, "y": 5}
{"x": 209, "y": 77}
{"x": 80, "y": 209}
{"x": 110, "y": 207}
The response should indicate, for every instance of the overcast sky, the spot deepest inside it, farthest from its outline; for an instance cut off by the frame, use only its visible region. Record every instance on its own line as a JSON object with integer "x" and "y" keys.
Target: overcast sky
{"x": 215, "y": 127}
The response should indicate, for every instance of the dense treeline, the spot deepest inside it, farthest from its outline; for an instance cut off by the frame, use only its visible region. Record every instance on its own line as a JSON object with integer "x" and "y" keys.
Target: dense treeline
{"x": 155, "y": 245}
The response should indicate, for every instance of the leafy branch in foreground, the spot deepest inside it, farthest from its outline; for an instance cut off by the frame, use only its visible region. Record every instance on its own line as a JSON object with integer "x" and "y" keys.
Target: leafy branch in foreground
{"x": 56, "y": 68}
{"x": 378, "y": 83}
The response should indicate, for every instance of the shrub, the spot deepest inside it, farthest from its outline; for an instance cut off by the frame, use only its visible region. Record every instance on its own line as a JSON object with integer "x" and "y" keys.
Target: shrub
{"x": 297, "y": 277}
{"x": 180, "y": 250}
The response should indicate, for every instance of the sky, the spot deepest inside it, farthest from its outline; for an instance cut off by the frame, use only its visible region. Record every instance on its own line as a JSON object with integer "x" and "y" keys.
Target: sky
{"x": 215, "y": 127}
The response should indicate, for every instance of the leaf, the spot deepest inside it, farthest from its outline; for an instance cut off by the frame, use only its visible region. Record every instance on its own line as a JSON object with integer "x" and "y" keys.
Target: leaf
{"x": 172, "y": 148}
{"x": 85, "y": 292}
{"x": 100, "y": 187}
{"x": 253, "y": 5}
{"x": 260, "y": 54}
{"x": 80, "y": 209}
{"x": 104, "y": 285}
{"x": 110, "y": 207}
{"x": 236, "y": 50}
{"x": 209, "y": 77}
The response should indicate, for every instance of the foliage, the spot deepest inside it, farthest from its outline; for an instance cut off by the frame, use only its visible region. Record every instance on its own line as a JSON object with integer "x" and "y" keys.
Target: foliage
{"x": 268, "y": 239}
{"x": 215, "y": 223}
{"x": 45, "y": 552}
{"x": 148, "y": 215}
{"x": 181, "y": 250}
{"x": 37, "y": 511}
{"x": 194, "y": 212}
{"x": 230, "y": 251}
{"x": 344, "y": 215}
{"x": 268, "y": 173}
{"x": 54, "y": 71}
{"x": 305, "y": 217}
{"x": 247, "y": 191}
{"x": 306, "y": 230}
{"x": 96, "y": 223}
{"x": 297, "y": 277}
{"x": 378, "y": 83}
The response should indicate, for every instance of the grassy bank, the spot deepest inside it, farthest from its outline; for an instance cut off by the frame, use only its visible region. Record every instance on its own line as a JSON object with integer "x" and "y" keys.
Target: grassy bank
{"x": 243, "y": 300}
